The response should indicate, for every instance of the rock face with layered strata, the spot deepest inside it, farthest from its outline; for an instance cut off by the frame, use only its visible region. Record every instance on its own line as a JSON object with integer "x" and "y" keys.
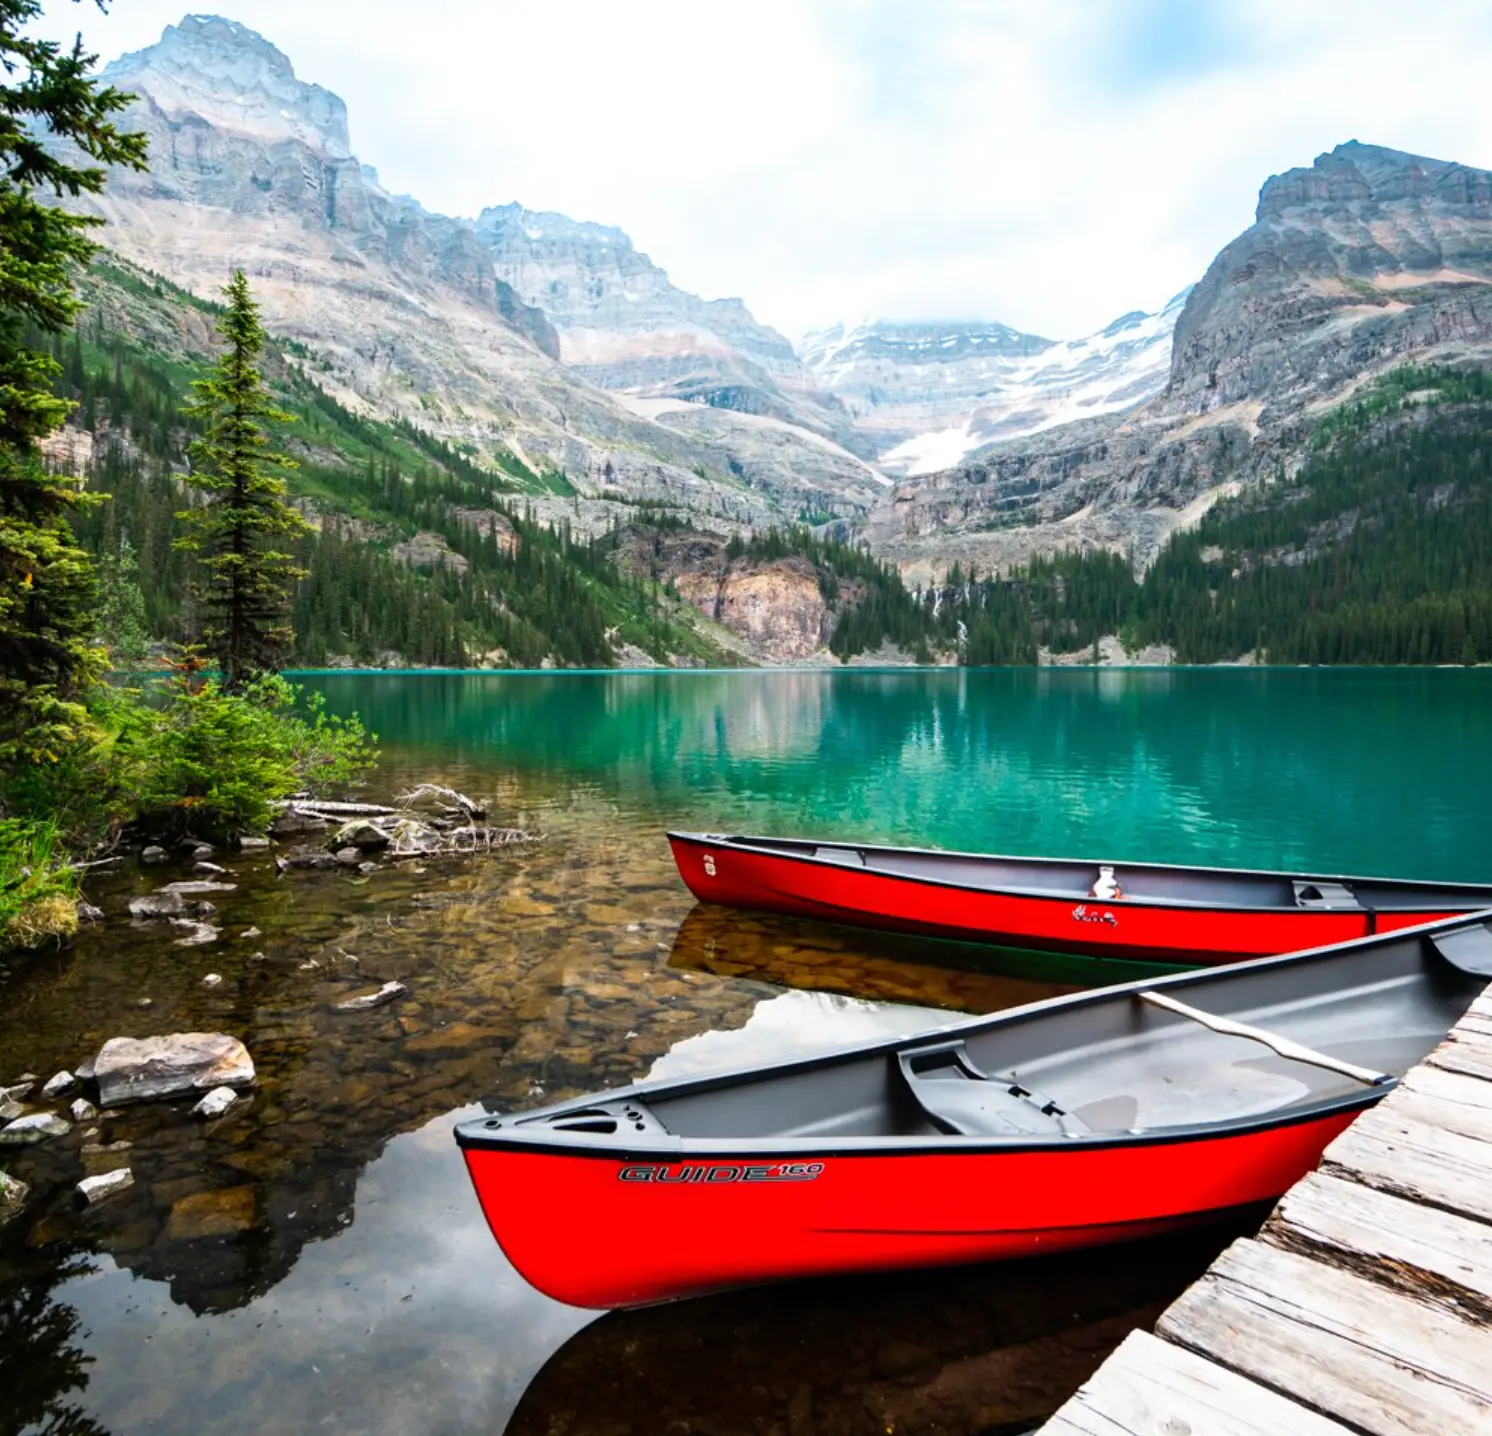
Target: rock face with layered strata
{"x": 624, "y": 325}
{"x": 1368, "y": 259}
{"x": 402, "y": 309}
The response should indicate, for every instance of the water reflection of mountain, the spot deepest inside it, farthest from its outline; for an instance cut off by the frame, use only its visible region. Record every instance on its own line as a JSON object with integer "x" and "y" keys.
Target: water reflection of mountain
{"x": 967, "y": 1350}
{"x": 1246, "y": 767}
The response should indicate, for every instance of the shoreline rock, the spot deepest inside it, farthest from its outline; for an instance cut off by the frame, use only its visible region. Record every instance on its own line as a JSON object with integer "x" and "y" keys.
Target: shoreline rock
{"x": 132, "y": 1069}
{"x": 38, "y": 1127}
{"x": 106, "y": 1184}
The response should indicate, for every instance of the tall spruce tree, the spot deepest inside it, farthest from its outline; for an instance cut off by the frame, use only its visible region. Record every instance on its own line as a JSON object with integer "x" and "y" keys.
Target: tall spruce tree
{"x": 246, "y": 582}
{"x": 53, "y": 120}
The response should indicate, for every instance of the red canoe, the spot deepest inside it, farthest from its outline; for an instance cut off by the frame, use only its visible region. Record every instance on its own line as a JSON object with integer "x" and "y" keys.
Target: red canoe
{"x": 1073, "y": 1122}
{"x": 1161, "y": 914}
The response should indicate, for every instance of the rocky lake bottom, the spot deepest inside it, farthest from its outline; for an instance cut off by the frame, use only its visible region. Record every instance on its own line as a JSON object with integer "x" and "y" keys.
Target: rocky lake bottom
{"x": 314, "y": 1259}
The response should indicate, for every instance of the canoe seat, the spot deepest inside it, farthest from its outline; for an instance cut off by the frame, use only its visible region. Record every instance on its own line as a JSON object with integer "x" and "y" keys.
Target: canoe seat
{"x": 1323, "y": 895}
{"x": 845, "y": 857}
{"x": 958, "y": 1098}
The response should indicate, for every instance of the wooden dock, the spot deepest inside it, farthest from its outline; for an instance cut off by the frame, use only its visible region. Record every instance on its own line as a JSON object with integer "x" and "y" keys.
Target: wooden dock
{"x": 1365, "y": 1303}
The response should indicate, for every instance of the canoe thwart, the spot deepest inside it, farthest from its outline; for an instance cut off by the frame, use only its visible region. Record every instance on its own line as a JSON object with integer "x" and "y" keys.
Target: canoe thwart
{"x": 1282, "y": 1046}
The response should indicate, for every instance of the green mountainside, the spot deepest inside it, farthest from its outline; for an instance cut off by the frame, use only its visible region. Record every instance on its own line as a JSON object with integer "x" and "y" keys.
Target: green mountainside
{"x": 492, "y": 586}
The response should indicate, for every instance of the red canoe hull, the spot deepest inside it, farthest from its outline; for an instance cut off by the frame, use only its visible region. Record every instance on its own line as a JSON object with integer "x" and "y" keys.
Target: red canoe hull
{"x": 599, "y": 1231}
{"x": 1156, "y": 932}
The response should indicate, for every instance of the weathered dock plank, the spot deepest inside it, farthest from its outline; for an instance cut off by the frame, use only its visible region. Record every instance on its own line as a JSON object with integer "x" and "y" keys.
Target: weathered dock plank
{"x": 1433, "y": 1255}
{"x": 1365, "y": 1303}
{"x": 1417, "y": 1160}
{"x": 1149, "y": 1387}
{"x": 1337, "y": 1342}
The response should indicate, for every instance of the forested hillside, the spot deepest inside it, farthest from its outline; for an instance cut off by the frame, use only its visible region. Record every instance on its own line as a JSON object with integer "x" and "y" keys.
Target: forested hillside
{"x": 482, "y": 583}
{"x": 1378, "y": 550}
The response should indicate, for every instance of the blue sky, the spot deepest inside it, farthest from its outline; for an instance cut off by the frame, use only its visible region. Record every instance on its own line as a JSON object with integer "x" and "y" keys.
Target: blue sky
{"x": 1049, "y": 164}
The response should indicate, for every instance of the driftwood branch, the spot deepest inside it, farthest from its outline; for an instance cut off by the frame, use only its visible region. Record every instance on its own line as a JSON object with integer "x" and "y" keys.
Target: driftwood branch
{"x": 448, "y": 798}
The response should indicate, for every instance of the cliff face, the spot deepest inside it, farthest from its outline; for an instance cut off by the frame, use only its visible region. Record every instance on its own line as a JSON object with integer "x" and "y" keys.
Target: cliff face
{"x": 624, "y": 325}
{"x": 1368, "y": 259}
{"x": 776, "y": 607}
{"x": 401, "y": 310}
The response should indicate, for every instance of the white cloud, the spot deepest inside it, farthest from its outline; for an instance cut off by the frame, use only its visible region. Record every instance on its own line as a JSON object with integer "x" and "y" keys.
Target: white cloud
{"x": 1046, "y": 165}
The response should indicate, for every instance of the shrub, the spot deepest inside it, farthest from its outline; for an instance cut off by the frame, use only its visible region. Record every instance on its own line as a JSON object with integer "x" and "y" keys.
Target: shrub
{"x": 38, "y": 890}
{"x": 214, "y": 762}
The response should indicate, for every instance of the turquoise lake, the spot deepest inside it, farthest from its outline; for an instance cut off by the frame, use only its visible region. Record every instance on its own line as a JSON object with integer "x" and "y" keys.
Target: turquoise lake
{"x": 1385, "y": 771}
{"x": 316, "y": 1259}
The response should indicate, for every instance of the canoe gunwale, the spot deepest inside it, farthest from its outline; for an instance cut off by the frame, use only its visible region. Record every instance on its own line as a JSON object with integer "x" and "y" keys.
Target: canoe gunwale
{"x": 474, "y": 1136}
{"x": 762, "y": 847}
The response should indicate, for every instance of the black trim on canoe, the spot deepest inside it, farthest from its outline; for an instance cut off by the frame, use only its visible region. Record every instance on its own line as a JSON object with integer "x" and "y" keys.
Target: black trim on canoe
{"x": 806, "y": 850}
{"x": 1453, "y": 955}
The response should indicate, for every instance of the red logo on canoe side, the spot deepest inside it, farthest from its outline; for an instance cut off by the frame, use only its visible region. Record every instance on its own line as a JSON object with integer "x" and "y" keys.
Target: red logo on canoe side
{"x": 715, "y": 1175}
{"x": 1083, "y": 913}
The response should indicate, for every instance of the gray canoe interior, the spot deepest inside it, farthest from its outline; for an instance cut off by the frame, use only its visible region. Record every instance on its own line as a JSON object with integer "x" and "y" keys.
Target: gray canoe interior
{"x": 1074, "y": 881}
{"x": 1117, "y": 1064}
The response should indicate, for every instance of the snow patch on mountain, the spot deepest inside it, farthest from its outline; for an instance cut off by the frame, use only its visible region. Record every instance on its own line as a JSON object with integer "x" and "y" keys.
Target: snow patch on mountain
{"x": 934, "y": 393}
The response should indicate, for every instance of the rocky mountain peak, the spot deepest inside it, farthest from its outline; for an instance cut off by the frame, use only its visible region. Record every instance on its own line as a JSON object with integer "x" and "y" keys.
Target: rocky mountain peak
{"x": 235, "y": 80}
{"x": 1353, "y": 174}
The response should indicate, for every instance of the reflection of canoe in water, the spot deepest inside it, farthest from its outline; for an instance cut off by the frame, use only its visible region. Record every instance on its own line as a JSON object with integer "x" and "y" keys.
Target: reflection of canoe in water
{"x": 949, "y": 1350}
{"x": 1155, "y": 913}
{"x": 1079, "y": 1121}
{"x": 886, "y": 966}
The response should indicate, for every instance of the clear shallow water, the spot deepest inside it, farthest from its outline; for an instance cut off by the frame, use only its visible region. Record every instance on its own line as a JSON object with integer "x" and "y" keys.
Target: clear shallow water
{"x": 317, "y": 1262}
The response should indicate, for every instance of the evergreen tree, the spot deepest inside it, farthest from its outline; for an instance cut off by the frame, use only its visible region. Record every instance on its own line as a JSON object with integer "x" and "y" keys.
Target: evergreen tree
{"x": 47, "y": 657}
{"x": 246, "y": 582}
{"x": 122, "y": 625}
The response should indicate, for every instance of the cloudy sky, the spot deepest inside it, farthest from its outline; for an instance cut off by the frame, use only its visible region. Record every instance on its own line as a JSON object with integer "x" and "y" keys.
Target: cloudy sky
{"x": 1048, "y": 163}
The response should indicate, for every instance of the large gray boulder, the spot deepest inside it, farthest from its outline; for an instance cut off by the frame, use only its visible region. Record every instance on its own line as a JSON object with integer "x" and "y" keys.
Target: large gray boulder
{"x": 130, "y": 1069}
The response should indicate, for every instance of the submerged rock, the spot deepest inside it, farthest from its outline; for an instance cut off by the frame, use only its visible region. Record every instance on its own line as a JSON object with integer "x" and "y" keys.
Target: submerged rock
{"x": 312, "y": 858}
{"x": 349, "y": 857}
{"x": 250, "y": 844}
{"x": 212, "y": 1214}
{"x": 200, "y": 886}
{"x": 389, "y": 992}
{"x": 64, "y": 1081}
{"x": 159, "y": 906}
{"x": 142, "y": 1069}
{"x": 106, "y": 1184}
{"x": 203, "y": 850}
{"x": 194, "y": 934}
{"x": 38, "y": 1127}
{"x": 218, "y": 1101}
{"x": 153, "y": 854}
{"x": 13, "y": 1196}
{"x": 10, "y": 1109}
{"x": 82, "y": 1110}
{"x": 208, "y": 869}
{"x": 88, "y": 913}
{"x": 213, "y": 979}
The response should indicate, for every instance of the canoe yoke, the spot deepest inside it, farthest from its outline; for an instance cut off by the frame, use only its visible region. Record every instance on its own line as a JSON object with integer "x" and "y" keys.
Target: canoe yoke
{"x": 957, "y": 1097}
